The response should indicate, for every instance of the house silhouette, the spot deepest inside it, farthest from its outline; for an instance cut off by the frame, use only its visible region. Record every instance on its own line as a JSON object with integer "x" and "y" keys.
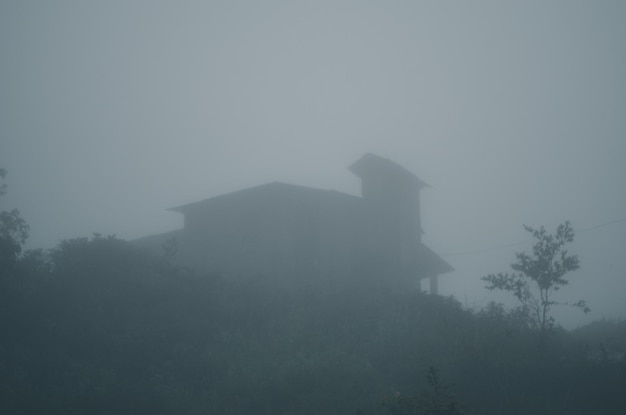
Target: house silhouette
{"x": 301, "y": 234}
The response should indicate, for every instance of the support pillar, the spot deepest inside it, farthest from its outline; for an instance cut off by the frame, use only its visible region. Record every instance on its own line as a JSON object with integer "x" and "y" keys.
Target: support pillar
{"x": 434, "y": 285}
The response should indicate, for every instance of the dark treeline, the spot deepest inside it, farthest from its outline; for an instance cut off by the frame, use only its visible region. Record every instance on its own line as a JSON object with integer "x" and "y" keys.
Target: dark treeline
{"x": 97, "y": 326}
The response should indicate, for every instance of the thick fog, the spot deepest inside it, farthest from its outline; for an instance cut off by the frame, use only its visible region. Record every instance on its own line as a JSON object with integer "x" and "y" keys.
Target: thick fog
{"x": 514, "y": 112}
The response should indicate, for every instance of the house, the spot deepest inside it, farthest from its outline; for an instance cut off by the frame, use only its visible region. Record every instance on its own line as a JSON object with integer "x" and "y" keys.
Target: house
{"x": 297, "y": 233}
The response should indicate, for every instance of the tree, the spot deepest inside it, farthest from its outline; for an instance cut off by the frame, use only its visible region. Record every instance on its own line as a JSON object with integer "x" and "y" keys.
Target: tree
{"x": 13, "y": 233}
{"x": 540, "y": 274}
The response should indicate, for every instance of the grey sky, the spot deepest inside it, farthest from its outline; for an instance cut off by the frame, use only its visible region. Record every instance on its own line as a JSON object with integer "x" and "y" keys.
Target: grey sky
{"x": 515, "y": 113}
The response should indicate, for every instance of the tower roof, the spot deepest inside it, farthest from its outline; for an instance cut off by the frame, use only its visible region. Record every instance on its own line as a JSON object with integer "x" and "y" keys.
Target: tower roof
{"x": 371, "y": 165}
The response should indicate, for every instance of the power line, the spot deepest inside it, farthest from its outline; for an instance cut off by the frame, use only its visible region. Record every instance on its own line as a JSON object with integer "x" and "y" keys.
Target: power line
{"x": 591, "y": 228}
{"x": 505, "y": 246}
{"x": 486, "y": 250}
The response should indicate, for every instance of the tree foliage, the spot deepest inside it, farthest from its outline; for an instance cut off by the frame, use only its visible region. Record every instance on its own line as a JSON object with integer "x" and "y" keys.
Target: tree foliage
{"x": 540, "y": 274}
{"x": 13, "y": 233}
{"x": 97, "y": 326}
{"x": 109, "y": 329}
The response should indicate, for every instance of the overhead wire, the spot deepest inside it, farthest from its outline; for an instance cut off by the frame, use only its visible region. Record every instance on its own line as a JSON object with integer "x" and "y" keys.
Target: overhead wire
{"x": 519, "y": 243}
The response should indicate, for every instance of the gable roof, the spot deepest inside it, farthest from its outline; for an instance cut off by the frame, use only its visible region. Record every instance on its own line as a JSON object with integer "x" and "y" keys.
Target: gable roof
{"x": 271, "y": 194}
{"x": 371, "y": 165}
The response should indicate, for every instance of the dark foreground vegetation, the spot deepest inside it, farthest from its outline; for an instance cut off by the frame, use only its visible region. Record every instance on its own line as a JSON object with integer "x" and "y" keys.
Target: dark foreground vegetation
{"x": 98, "y": 327}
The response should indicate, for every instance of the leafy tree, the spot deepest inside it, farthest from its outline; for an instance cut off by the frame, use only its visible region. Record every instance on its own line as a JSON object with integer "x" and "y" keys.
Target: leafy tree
{"x": 540, "y": 274}
{"x": 13, "y": 233}
{"x": 3, "y": 186}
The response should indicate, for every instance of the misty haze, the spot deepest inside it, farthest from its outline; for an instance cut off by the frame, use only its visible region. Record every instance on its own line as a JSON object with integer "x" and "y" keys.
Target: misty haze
{"x": 312, "y": 207}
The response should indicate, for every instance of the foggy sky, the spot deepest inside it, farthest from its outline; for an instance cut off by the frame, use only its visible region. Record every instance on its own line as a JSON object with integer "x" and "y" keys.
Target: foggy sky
{"x": 515, "y": 112}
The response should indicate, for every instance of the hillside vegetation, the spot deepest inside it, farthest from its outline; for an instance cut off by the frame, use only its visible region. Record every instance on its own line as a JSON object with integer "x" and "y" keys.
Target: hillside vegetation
{"x": 97, "y": 326}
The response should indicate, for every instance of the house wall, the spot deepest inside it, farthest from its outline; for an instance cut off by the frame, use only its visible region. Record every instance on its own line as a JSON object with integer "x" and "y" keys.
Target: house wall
{"x": 280, "y": 239}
